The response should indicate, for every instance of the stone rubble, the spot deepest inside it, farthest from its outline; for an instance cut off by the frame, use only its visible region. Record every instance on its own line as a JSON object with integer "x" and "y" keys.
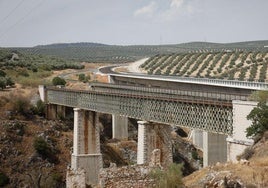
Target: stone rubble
{"x": 127, "y": 176}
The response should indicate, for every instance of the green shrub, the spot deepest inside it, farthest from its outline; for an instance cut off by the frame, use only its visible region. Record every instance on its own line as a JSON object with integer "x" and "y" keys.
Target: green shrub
{"x": 41, "y": 146}
{"x": 259, "y": 115}
{"x": 17, "y": 126}
{"x": 195, "y": 155}
{"x": 57, "y": 178}
{"x": 259, "y": 118}
{"x": 23, "y": 72}
{"x": 58, "y": 81}
{"x": 39, "y": 109}
{"x": 169, "y": 178}
{"x": 2, "y": 73}
{"x": 9, "y": 82}
{"x": 4, "y": 180}
{"x": 21, "y": 105}
{"x": 81, "y": 77}
{"x": 3, "y": 83}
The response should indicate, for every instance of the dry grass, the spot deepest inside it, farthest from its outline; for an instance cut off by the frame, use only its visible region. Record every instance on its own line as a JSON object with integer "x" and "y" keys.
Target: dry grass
{"x": 195, "y": 177}
{"x": 252, "y": 173}
{"x": 255, "y": 173}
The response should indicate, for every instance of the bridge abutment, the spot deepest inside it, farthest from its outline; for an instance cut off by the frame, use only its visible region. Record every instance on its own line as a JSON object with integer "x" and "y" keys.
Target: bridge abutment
{"x": 238, "y": 142}
{"x": 120, "y": 127}
{"x": 153, "y": 136}
{"x": 86, "y": 148}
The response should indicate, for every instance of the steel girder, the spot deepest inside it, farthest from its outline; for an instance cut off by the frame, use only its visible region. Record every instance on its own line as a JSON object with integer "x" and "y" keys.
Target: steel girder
{"x": 192, "y": 114}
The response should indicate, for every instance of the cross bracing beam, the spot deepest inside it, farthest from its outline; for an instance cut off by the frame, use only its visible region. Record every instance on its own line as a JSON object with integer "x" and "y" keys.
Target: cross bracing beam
{"x": 193, "y": 113}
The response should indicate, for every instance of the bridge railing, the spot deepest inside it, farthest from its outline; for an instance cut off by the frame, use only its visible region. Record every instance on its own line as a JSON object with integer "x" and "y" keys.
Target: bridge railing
{"x": 254, "y": 85}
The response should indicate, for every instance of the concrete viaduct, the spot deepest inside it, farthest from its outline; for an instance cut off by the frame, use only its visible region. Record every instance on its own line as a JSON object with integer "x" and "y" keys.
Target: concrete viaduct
{"x": 214, "y": 110}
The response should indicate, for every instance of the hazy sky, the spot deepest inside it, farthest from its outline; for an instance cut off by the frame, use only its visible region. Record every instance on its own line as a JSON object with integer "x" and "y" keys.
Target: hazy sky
{"x": 130, "y": 22}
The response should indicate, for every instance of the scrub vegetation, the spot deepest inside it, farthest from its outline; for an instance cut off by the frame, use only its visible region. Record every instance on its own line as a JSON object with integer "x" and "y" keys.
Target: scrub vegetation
{"x": 29, "y": 70}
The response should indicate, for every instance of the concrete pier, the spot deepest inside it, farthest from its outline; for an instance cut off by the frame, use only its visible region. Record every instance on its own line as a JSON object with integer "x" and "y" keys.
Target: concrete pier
{"x": 54, "y": 111}
{"x": 153, "y": 136}
{"x": 120, "y": 127}
{"x": 51, "y": 111}
{"x": 214, "y": 148}
{"x": 197, "y": 137}
{"x": 86, "y": 146}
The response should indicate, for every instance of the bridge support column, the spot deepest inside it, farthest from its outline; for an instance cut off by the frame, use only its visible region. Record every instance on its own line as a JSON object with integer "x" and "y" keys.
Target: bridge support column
{"x": 197, "y": 136}
{"x": 214, "y": 148}
{"x": 238, "y": 142}
{"x": 55, "y": 111}
{"x": 61, "y": 111}
{"x": 86, "y": 148}
{"x": 51, "y": 111}
{"x": 120, "y": 127}
{"x": 153, "y": 136}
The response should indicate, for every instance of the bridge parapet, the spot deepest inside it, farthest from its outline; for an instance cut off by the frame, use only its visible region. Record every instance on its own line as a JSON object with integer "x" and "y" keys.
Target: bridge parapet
{"x": 253, "y": 85}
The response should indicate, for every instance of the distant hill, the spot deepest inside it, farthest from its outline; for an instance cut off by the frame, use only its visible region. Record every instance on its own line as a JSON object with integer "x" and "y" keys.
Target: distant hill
{"x": 95, "y": 52}
{"x": 66, "y": 45}
{"x": 247, "y": 45}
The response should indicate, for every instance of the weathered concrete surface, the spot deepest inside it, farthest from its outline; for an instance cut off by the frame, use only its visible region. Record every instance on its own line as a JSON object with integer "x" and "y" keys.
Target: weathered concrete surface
{"x": 238, "y": 141}
{"x": 153, "y": 136}
{"x": 197, "y": 137}
{"x": 120, "y": 127}
{"x": 51, "y": 111}
{"x": 214, "y": 148}
{"x": 54, "y": 111}
{"x": 86, "y": 145}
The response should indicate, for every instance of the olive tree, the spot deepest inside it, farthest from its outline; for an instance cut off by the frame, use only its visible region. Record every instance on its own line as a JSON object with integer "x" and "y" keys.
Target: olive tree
{"x": 258, "y": 116}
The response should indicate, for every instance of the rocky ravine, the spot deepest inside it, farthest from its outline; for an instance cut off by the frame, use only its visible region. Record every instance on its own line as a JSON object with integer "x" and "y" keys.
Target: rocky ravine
{"x": 36, "y": 152}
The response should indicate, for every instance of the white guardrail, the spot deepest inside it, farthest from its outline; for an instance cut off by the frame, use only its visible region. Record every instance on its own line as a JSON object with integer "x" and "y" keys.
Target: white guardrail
{"x": 205, "y": 81}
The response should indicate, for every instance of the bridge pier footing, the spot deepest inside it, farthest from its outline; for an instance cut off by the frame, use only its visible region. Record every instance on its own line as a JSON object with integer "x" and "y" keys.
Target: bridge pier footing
{"x": 86, "y": 149}
{"x": 153, "y": 136}
{"x": 120, "y": 127}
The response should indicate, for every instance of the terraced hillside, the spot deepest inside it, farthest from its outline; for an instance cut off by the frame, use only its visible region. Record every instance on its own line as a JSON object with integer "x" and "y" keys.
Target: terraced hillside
{"x": 251, "y": 66}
